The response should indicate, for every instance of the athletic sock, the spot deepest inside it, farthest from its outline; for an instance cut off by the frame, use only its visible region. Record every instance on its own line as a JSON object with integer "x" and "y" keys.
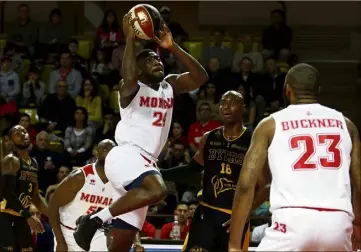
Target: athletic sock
{"x": 103, "y": 214}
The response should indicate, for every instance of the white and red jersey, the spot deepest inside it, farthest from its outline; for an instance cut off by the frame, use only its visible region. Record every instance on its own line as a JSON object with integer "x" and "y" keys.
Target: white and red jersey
{"x": 309, "y": 158}
{"x": 147, "y": 119}
{"x": 93, "y": 196}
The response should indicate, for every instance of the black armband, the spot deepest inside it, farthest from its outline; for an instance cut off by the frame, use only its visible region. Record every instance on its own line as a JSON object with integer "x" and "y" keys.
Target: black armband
{"x": 11, "y": 197}
{"x": 183, "y": 173}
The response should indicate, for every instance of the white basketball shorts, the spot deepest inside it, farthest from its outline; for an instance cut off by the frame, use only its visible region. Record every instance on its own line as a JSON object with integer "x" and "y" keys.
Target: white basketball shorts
{"x": 300, "y": 229}
{"x": 99, "y": 242}
{"x": 125, "y": 168}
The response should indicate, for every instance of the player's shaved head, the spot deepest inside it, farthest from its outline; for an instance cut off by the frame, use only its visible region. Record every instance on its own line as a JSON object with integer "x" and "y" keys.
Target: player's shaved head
{"x": 303, "y": 80}
{"x": 103, "y": 148}
{"x": 105, "y": 143}
{"x": 234, "y": 95}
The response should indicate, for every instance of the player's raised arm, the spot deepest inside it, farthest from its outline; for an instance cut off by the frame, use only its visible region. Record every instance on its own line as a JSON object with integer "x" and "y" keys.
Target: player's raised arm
{"x": 39, "y": 201}
{"x": 128, "y": 86}
{"x": 183, "y": 173}
{"x": 64, "y": 194}
{"x": 196, "y": 75}
{"x": 254, "y": 162}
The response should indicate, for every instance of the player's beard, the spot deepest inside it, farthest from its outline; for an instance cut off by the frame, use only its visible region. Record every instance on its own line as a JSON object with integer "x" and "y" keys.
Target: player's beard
{"x": 22, "y": 146}
{"x": 157, "y": 77}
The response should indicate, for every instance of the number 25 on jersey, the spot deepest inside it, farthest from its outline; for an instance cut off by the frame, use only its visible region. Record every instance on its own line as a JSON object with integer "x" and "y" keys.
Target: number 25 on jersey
{"x": 309, "y": 145}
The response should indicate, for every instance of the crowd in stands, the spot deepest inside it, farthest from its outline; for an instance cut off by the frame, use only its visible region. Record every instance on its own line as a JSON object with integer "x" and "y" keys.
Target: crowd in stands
{"x": 69, "y": 109}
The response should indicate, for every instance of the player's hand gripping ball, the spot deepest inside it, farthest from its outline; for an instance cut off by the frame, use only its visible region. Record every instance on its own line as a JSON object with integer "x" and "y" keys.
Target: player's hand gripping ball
{"x": 148, "y": 21}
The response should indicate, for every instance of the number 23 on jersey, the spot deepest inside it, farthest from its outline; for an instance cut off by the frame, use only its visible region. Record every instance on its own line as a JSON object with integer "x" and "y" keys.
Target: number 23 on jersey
{"x": 310, "y": 144}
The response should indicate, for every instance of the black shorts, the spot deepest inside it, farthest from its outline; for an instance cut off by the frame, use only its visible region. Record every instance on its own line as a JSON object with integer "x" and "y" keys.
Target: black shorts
{"x": 207, "y": 234}
{"x": 16, "y": 234}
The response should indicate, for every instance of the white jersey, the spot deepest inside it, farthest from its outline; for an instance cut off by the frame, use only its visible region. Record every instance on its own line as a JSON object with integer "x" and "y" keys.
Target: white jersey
{"x": 309, "y": 158}
{"x": 147, "y": 119}
{"x": 93, "y": 196}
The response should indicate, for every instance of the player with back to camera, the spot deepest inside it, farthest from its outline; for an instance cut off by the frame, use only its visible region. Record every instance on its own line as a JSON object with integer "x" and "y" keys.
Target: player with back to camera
{"x": 312, "y": 152}
{"x": 146, "y": 102}
{"x": 220, "y": 157}
{"x": 19, "y": 189}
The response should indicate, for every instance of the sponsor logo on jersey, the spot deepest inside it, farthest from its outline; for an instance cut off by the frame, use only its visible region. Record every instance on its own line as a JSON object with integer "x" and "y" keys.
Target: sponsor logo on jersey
{"x": 92, "y": 181}
{"x": 221, "y": 185}
{"x": 155, "y": 102}
{"x": 95, "y": 199}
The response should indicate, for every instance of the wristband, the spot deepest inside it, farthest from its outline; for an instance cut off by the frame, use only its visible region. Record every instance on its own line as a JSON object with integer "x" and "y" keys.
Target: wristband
{"x": 25, "y": 213}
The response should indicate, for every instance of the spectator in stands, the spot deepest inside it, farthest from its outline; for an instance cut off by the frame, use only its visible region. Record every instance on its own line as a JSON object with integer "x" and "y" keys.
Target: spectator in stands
{"x": 190, "y": 195}
{"x": 108, "y": 33}
{"x": 66, "y": 73}
{"x": 177, "y": 134}
{"x": 249, "y": 112}
{"x": 107, "y": 131}
{"x": 175, "y": 155}
{"x": 23, "y": 33}
{"x": 48, "y": 161}
{"x": 57, "y": 110}
{"x": 175, "y": 27}
{"x": 182, "y": 213}
{"x": 246, "y": 77}
{"x": 53, "y": 37}
{"x": 255, "y": 56}
{"x": 25, "y": 121}
{"x": 205, "y": 123}
{"x": 33, "y": 89}
{"x": 277, "y": 38}
{"x": 217, "y": 50}
{"x": 148, "y": 230}
{"x": 9, "y": 81}
{"x": 102, "y": 67}
{"x": 62, "y": 173}
{"x": 89, "y": 99}
{"x": 43, "y": 242}
{"x": 78, "y": 62}
{"x": 17, "y": 63}
{"x": 7, "y": 144}
{"x": 218, "y": 76}
{"x": 210, "y": 94}
{"x": 79, "y": 138}
{"x": 192, "y": 208}
{"x": 117, "y": 56}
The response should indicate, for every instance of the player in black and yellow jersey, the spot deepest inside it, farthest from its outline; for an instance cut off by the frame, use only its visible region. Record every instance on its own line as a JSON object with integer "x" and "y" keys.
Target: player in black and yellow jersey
{"x": 19, "y": 188}
{"x": 220, "y": 157}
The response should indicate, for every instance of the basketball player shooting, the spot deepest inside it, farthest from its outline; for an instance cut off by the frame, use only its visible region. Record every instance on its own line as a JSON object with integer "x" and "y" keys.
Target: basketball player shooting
{"x": 220, "y": 157}
{"x": 19, "y": 189}
{"x": 146, "y": 104}
{"x": 312, "y": 152}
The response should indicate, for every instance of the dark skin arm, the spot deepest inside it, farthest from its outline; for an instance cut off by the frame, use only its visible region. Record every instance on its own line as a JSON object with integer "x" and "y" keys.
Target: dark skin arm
{"x": 39, "y": 201}
{"x": 128, "y": 87}
{"x": 253, "y": 165}
{"x": 196, "y": 75}
{"x": 355, "y": 172}
{"x": 64, "y": 194}
{"x": 151, "y": 191}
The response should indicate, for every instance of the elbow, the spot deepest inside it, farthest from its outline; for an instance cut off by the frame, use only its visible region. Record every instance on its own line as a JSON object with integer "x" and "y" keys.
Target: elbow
{"x": 203, "y": 78}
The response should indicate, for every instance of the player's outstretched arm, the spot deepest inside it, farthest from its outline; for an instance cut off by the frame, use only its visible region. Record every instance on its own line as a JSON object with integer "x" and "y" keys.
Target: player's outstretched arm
{"x": 254, "y": 162}
{"x": 129, "y": 85}
{"x": 187, "y": 173}
{"x": 196, "y": 75}
{"x": 64, "y": 194}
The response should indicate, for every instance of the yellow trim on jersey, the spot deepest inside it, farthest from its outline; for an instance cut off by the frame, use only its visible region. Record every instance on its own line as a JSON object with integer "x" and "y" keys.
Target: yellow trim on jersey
{"x": 10, "y": 211}
{"x": 185, "y": 243}
{"x": 241, "y": 134}
{"x": 227, "y": 211}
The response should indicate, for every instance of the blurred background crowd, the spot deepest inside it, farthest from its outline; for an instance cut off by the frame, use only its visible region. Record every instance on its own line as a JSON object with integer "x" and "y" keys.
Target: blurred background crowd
{"x": 63, "y": 89}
